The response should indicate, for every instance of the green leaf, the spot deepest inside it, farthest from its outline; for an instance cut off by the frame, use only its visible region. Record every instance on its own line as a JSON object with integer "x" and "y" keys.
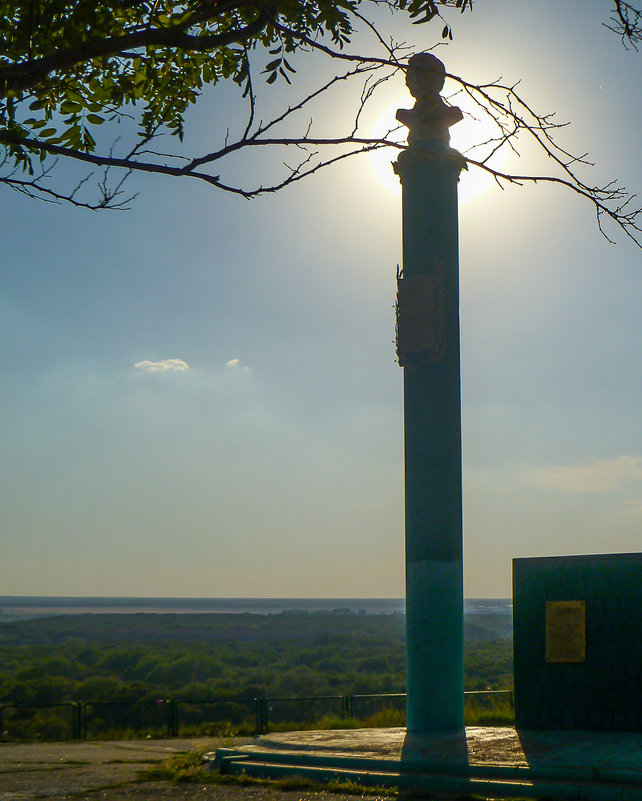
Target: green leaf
{"x": 94, "y": 119}
{"x": 89, "y": 141}
{"x": 70, "y": 107}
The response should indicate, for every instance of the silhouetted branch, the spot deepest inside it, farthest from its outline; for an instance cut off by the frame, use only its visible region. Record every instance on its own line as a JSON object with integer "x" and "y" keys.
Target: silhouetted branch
{"x": 610, "y": 200}
{"x": 514, "y": 116}
{"x": 109, "y": 197}
{"x": 626, "y": 22}
{"x": 240, "y": 26}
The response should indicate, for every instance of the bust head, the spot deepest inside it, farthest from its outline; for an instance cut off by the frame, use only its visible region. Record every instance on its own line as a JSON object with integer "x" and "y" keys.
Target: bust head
{"x": 425, "y": 76}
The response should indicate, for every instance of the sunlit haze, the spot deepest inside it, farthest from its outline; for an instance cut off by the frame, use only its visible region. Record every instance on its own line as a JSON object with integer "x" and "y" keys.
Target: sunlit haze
{"x": 467, "y": 136}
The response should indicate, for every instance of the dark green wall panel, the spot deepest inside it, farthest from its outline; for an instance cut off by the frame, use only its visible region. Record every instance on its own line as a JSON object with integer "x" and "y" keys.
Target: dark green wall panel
{"x": 603, "y": 692}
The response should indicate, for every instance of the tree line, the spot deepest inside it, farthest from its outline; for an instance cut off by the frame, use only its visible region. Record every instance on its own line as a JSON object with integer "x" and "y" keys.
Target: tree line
{"x": 139, "y": 657}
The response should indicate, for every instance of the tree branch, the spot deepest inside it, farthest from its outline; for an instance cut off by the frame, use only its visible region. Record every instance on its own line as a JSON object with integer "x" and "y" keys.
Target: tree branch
{"x": 26, "y": 74}
{"x": 172, "y": 82}
{"x": 626, "y": 23}
{"x": 625, "y": 218}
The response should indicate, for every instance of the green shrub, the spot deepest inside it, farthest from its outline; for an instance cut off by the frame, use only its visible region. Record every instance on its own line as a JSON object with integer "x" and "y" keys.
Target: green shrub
{"x": 386, "y": 718}
{"x": 180, "y": 768}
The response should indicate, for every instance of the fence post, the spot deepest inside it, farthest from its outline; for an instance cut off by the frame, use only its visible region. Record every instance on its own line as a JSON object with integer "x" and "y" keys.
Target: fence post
{"x": 76, "y": 720}
{"x": 1, "y": 722}
{"x": 172, "y": 718}
{"x": 345, "y": 706}
{"x": 265, "y": 711}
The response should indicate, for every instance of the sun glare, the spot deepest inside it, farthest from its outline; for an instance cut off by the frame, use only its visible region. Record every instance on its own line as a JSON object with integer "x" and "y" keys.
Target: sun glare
{"x": 468, "y": 137}
{"x": 381, "y": 160}
{"x": 473, "y": 130}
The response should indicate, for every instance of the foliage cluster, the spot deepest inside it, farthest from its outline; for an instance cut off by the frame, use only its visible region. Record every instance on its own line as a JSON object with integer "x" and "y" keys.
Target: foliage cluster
{"x": 199, "y": 656}
{"x": 196, "y": 658}
{"x": 132, "y": 70}
{"x": 146, "y": 657}
{"x": 74, "y": 59}
{"x": 68, "y": 66}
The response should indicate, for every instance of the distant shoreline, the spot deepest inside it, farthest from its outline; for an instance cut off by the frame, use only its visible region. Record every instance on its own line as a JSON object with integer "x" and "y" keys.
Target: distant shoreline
{"x": 13, "y": 608}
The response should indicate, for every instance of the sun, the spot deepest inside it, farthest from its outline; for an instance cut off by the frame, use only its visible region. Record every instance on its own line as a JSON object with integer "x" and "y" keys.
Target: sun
{"x": 470, "y": 138}
{"x": 381, "y": 160}
{"x": 467, "y": 136}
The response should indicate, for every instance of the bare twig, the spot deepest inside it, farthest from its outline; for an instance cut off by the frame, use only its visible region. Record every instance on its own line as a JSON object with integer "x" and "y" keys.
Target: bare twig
{"x": 514, "y": 119}
{"x": 626, "y": 22}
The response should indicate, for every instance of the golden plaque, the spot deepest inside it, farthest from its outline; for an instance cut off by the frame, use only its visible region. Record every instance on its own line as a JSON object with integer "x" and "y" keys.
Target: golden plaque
{"x": 565, "y": 631}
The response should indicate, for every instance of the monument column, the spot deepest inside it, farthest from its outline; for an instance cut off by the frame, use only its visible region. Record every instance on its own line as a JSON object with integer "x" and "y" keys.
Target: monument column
{"x": 428, "y": 350}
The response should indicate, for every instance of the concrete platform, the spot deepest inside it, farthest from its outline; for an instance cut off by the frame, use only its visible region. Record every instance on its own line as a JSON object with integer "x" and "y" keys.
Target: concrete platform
{"x": 488, "y": 762}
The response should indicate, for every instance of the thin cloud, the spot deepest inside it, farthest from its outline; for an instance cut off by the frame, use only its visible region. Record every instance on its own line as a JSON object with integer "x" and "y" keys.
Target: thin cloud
{"x": 600, "y": 475}
{"x": 177, "y": 365}
{"x": 235, "y": 364}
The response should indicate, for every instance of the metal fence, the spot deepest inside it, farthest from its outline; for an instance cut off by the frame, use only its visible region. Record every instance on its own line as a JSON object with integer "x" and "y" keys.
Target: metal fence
{"x": 170, "y": 717}
{"x": 41, "y": 721}
{"x": 369, "y": 704}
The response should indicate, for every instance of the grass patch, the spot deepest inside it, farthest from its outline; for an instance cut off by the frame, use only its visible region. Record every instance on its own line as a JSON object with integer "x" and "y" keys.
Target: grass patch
{"x": 384, "y": 718}
{"x": 493, "y": 714}
{"x": 184, "y": 767}
{"x": 295, "y": 782}
{"x": 189, "y": 767}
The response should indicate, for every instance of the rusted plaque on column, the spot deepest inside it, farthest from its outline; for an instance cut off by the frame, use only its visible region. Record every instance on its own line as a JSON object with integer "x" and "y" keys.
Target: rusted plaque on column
{"x": 421, "y": 315}
{"x": 565, "y": 631}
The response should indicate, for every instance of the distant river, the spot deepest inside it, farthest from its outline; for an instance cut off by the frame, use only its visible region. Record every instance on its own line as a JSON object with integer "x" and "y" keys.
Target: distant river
{"x": 21, "y": 607}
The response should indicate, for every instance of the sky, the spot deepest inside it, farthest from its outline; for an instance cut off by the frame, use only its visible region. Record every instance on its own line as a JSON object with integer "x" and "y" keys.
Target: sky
{"x": 199, "y": 396}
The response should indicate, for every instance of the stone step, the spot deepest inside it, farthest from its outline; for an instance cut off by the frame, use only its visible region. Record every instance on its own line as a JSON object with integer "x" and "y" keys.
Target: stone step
{"x": 374, "y": 774}
{"x": 585, "y": 773}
